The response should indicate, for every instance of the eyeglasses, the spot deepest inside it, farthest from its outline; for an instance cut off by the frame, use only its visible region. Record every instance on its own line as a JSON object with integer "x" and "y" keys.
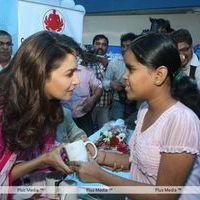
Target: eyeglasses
{"x": 9, "y": 44}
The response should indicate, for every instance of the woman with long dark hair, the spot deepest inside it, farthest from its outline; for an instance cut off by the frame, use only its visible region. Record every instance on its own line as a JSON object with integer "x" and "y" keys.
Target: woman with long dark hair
{"x": 164, "y": 150}
{"x": 41, "y": 73}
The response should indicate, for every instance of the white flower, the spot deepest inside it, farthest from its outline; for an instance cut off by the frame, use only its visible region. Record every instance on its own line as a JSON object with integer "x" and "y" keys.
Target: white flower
{"x": 121, "y": 136}
{"x": 106, "y": 139}
{"x": 108, "y": 134}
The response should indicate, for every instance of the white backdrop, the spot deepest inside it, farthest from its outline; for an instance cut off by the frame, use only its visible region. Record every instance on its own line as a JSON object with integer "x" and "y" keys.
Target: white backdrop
{"x": 22, "y": 18}
{"x": 32, "y": 14}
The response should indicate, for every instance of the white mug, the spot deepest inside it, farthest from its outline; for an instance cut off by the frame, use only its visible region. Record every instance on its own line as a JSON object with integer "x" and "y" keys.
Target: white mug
{"x": 76, "y": 151}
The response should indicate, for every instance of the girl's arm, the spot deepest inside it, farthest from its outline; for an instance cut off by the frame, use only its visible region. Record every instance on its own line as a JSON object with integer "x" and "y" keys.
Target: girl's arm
{"x": 173, "y": 171}
{"x": 115, "y": 160}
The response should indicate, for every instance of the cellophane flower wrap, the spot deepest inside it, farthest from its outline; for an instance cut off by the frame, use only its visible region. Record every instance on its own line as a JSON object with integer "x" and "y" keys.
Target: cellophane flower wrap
{"x": 113, "y": 139}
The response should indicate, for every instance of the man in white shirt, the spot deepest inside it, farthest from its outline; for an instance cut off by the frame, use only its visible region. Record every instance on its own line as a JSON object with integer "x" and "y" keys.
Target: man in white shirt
{"x": 5, "y": 48}
{"x": 189, "y": 60}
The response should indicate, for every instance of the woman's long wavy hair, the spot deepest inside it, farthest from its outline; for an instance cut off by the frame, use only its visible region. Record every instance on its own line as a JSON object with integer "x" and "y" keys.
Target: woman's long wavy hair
{"x": 155, "y": 50}
{"x": 28, "y": 115}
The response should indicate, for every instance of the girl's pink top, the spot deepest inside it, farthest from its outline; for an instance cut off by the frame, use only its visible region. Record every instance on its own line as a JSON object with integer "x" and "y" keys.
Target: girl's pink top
{"x": 177, "y": 130}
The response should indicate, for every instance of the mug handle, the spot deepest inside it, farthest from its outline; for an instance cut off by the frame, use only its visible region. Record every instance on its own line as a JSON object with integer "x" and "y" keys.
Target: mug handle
{"x": 95, "y": 148}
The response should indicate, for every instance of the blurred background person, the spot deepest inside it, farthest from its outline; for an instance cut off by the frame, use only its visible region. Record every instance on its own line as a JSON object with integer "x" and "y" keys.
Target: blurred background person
{"x": 100, "y": 112}
{"x": 5, "y": 48}
{"x": 190, "y": 62}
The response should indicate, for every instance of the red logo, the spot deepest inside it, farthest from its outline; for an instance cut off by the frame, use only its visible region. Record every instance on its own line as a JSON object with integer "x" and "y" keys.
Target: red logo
{"x": 53, "y": 21}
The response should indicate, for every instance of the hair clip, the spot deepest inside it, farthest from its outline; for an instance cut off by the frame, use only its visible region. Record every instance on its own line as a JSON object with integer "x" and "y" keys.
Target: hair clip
{"x": 178, "y": 75}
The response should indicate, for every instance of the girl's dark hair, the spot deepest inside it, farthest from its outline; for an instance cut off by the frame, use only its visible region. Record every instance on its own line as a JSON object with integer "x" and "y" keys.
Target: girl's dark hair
{"x": 155, "y": 50}
{"x": 28, "y": 115}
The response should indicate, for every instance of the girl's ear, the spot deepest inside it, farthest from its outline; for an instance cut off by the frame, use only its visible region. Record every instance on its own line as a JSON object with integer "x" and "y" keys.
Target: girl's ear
{"x": 160, "y": 75}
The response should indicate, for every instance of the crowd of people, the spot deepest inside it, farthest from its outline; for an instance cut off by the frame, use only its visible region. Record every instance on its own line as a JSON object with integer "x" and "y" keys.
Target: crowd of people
{"x": 54, "y": 92}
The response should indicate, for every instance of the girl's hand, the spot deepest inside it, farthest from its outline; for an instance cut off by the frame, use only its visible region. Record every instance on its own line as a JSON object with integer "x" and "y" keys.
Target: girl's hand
{"x": 87, "y": 172}
{"x": 54, "y": 159}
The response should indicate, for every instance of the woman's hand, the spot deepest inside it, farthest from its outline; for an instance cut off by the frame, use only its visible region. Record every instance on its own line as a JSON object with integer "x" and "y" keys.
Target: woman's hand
{"x": 54, "y": 159}
{"x": 87, "y": 172}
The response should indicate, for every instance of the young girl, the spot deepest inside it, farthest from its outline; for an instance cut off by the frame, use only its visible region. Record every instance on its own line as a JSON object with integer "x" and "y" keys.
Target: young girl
{"x": 41, "y": 73}
{"x": 166, "y": 143}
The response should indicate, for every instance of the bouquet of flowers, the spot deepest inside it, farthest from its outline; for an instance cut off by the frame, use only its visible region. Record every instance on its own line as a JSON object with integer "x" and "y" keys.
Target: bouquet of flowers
{"x": 113, "y": 139}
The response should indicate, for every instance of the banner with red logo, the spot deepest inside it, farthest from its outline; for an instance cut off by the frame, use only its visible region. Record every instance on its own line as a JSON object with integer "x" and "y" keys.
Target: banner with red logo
{"x": 35, "y": 16}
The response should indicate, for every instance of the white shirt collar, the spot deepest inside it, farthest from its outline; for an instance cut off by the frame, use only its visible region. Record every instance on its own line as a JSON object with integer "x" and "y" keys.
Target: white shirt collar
{"x": 194, "y": 61}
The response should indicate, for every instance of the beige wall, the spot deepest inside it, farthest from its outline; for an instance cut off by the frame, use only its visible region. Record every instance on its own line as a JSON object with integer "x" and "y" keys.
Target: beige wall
{"x": 114, "y": 26}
